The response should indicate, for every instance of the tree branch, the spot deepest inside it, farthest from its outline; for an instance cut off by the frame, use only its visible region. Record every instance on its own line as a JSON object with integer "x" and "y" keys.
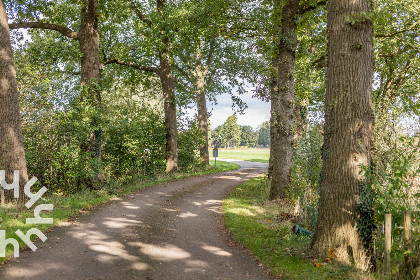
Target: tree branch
{"x": 180, "y": 82}
{"x": 49, "y": 26}
{"x": 303, "y": 10}
{"x": 140, "y": 15}
{"x": 210, "y": 55}
{"x": 186, "y": 62}
{"x": 396, "y": 32}
{"x": 132, "y": 65}
{"x": 182, "y": 71}
{"x": 210, "y": 77}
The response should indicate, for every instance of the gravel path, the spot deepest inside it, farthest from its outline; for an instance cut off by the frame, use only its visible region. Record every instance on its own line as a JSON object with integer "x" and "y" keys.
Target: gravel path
{"x": 173, "y": 230}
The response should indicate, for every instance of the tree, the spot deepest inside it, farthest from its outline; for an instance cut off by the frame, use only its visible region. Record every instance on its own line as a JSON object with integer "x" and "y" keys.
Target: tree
{"x": 216, "y": 135}
{"x": 231, "y": 131}
{"x": 156, "y": 28}
{"x": 264, "y": 134}
{"x": 283, "y": 92}
{"x": 12, "y": 154}
{"x": 88, "y": 38}
{"x": 199, "y": 72}
{"x": 347, "y": 129}
{"x": 209, "y": 62}
{"x": 248, "y": 136}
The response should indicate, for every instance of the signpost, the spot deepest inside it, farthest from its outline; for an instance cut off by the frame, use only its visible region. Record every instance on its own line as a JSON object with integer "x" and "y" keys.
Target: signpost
{"x": 215, "y": 145}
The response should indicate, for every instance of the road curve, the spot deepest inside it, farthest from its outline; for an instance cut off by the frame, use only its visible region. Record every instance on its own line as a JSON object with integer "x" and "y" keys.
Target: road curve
{"x": 171, "y": 231}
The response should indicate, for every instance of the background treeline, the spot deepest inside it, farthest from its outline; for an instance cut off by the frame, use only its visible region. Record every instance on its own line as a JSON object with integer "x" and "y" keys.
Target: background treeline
{"x": 232, "y": 135}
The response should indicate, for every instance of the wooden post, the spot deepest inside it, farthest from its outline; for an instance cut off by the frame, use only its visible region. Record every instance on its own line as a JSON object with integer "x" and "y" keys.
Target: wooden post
{"x": 407, "y": 228}
{"x": 2, "y": 195}
{"x": 407, "y": 243}
{"x": 388, "y": 228}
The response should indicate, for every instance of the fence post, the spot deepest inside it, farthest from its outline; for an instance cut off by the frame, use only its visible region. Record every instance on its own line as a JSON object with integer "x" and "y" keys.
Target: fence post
{"x": 407, "y": 242}
{"x": 407, "y": 228}
{"x": 388, "y": 228}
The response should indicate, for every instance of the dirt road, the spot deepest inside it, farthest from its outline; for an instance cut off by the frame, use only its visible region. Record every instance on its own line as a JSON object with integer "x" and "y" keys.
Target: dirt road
{"x": 171, "y": 231}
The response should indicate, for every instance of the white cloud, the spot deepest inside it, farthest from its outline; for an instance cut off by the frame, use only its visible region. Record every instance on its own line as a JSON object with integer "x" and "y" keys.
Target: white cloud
{"x": 257, "y": 112}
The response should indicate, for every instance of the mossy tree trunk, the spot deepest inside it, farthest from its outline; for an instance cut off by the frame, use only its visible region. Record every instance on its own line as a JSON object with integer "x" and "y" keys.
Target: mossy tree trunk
{"x": 12, "y": 154}
{"x": 348, "y": 128}
{"x": 282, "y": 101}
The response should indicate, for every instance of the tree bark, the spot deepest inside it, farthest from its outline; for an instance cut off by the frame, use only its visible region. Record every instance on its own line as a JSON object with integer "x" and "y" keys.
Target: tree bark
{"x": 90, "y": 72}
{"x": 169, "y": 105}
{"x": 12, "y": 154}
{"x": 348, "y": 128}
{"x": 202, "y": 118}
{"x": 282, "y": 102}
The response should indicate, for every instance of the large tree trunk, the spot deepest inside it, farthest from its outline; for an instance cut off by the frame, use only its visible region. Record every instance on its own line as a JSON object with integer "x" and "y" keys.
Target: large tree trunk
{"x": 282, "y": 102}
{"x": 90, "y": 73}
{"x": 169, "y": 104}
{"x": 12, "y": 154}
{"x": 348, "y": 128}
{"x": 202, "y": 117}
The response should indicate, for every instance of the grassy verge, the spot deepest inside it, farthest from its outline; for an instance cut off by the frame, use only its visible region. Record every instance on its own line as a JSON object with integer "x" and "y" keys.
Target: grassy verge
{"x": 255, "y": 155}
{"x": 13, "y": 218}
{"x": 264, "y": 227}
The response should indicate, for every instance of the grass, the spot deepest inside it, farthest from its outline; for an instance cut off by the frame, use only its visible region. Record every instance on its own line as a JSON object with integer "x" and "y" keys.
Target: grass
{"x": 13, "y": 218}
{"x": 255, "y": 155}
{"x": 264, "y": 227}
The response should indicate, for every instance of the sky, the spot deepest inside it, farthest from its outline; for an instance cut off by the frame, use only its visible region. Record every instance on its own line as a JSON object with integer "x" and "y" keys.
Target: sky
{"x": 257, "y": 112}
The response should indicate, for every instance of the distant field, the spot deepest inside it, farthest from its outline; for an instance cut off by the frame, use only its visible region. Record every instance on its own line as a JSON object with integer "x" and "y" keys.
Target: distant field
{"x": 256, "y": 155}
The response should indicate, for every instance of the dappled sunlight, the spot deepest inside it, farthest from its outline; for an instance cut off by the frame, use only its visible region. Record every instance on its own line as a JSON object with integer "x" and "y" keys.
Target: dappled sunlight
{"x": 164, "y": 254}
{"x": 87, "y": 235}
{"x": 120, "y": 222}
{"x": 113, "y": 248}
{"x": 99, "y": 242}
{"x": 230, "y": 177}
{"x": 213, "y": 202}
{"x": 129, "y": 205}
{"x": 216, "y": 251}
{"x": 187, "y": 215}
{"x": 241, "y": 211}
{"x": 258, "y": 210}
{"x": 195, "y": 266}
{"x": 140, "y": 266}
{"x": 37, "y": 272}
{"x": 169, "y": 209}
{"x": 105, "y": 258}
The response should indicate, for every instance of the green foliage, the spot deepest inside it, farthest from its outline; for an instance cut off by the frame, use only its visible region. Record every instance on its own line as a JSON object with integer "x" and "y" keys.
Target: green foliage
{"x": 305, "y": 174}
{"x": 264, "y": 227}
{"x": 248, "y": 136}
{"x": 366, "y": 225}
{"x": 189, "y": 141}
{"x": 135, "y": 147}
{"x": 264, "y": 134}
{"x": 392, "y": 177}
{"x": 228, "y": 133}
